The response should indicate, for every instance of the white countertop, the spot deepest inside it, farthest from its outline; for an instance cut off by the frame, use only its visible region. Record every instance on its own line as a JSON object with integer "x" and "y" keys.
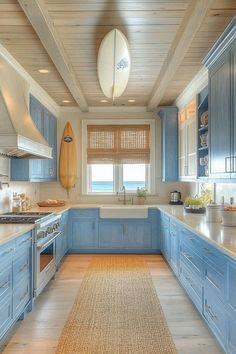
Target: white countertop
{"x": 9, "y": 232}
{"x": 222, "y": 237}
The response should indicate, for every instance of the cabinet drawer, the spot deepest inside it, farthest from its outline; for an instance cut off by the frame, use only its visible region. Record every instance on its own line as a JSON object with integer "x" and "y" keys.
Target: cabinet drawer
{"x": 192, "y": 284}
{"x": 173, "y": 227}
{"x": 24, "y": 241}
{"x": 214, "y": 257}
{"x": 5, "y": 315}
{"x": 215, "y": 280}
{"x": 84, "y": 212}
{"x": 192, "y": 259}
{"x": 21, "y": 267}
{"x": 5, "y": 281}
{"x": 165, "y": 220}
{"x": 231, "y": 286}
{"x": 214, "y": 312}
{"x": 7, "y": 252}
{"x": 21, "y": 296}
{"x": 191, "y": 240}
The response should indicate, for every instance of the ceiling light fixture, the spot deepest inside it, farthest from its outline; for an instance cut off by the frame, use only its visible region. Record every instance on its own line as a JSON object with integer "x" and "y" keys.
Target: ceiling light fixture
{"x": 104, "y": 101}
{"x": 113, "y": 64}
{"x": 66, "y": 101}
{"x": 44, "y": 71}
{"x": 131, "y": 101}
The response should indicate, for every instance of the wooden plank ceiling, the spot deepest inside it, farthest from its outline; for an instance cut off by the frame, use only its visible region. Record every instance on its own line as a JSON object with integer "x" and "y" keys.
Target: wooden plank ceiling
{"x": 150, "y": 26}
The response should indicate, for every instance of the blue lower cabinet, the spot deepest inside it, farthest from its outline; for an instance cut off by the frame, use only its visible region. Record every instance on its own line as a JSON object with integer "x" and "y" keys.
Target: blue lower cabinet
{"x": 165, "y": 236}
{"x": 89, "y": 233}
{"x": 137, "y": 235}
{"x": 84, "y": 233}
{"x": 6, "y": 315}
{"x": 207, "y": 275}
{"x": 16, "y": 281}
{"x": 110, "y": 235}
{"x": 215, "y": 314}
{"x": 192, "y": 284}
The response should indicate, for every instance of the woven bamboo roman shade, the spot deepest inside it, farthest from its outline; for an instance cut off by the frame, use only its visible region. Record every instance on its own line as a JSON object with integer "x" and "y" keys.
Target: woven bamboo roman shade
{"x": 118, "y": 144}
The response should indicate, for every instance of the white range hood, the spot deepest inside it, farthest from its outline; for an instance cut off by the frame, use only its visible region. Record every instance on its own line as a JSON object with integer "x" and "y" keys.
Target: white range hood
{"x": 19, "y": 137}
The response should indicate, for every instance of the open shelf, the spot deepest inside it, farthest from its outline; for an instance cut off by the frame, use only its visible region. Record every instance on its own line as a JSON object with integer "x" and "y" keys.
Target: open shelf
{"x": 202, "y": 151}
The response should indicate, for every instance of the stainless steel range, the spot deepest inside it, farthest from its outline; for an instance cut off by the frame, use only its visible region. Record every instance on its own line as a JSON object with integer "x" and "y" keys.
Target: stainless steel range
{"x": 47, "y": 229}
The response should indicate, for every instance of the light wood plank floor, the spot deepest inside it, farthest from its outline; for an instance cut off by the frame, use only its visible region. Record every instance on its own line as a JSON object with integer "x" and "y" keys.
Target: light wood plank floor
{"x": 39, "y": 332}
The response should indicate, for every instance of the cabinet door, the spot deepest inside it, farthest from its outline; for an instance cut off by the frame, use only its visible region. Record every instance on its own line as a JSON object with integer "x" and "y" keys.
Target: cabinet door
{"x": 84, "y": 233}
{"x": 231, "y": 285}
{"x": 174, "y": 251}
{"x": 182, "y": 145}
{"x": 46, "y": 133}
{"x": 53, "y": 144}
{"x": 137, "y": 235}
{"x": 110, "y": 234}
{"x": 191, "y": 143}
{"x": 165, "y": 236}
{"x": 233, "y": 54}
{"x": 36, "y": 111}
{"x": 220, "y": 118}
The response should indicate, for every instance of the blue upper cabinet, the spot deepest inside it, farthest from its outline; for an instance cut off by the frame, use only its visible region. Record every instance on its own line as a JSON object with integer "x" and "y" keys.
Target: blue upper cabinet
{"x": 222, "y": 112}
{"x": 39, "y": 170}
{"x": 169, "y": 138}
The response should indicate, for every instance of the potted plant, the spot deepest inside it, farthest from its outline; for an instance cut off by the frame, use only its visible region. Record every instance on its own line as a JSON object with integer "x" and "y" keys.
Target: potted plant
{"x": 141, "y": 195}
{"x": 194, "y": 204}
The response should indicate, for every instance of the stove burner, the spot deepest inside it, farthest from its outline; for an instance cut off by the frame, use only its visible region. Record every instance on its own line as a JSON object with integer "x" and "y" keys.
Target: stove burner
{"x": 22, "y": 217}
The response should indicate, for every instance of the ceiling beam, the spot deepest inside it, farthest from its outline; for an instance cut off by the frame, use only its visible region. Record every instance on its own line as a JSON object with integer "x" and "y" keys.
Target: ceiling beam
{"x": 194, "y": 17}
{"x": 36, "y": 12}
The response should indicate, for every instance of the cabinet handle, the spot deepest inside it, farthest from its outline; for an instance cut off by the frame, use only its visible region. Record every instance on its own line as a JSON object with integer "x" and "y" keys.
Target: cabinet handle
{"x": 22, "y": 268}
{"x": 209, "y": 310}
{"x": 22, "y": 242}
{"x": 50, "y": 171}
{"x": 9, "y": 251}
{"x": 209, "y": 252}
{"x": 227, "y": 165}
{"x": 23, "y": 296}
{"x": 5, "y": 285}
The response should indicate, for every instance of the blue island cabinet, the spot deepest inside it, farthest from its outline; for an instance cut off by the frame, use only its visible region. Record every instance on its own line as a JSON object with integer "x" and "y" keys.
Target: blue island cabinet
{"x": 15, "y": 281}
{"x": 39, "y": 170}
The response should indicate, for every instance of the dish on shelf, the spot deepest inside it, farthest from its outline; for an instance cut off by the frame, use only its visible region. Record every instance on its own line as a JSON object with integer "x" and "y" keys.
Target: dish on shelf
{"x": 204, "y": 119}
{"x": 204, "y": 139}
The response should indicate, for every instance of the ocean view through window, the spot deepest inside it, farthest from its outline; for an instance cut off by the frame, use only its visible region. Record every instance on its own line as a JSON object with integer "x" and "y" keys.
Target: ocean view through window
{"x": 132, "y": 176}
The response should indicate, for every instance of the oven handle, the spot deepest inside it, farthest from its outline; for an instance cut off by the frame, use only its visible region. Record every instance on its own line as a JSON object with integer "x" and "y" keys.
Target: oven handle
{"x": 45, "y": 245}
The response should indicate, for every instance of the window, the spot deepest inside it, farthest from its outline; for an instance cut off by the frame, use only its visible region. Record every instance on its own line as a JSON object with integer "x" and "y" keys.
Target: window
{"x": 117, "y": 156}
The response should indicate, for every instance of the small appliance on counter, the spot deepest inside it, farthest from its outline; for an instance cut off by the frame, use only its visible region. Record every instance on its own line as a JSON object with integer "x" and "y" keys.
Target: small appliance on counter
{"x": 213, "y": 213}
{"x": 175, "y": 198}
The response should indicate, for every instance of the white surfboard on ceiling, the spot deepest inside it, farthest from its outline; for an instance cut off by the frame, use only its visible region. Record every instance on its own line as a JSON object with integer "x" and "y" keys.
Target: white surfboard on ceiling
{"x": 113, "y": 64}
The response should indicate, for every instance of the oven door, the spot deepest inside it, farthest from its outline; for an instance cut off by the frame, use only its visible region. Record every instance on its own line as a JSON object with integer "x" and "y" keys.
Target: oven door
{"x": 45, "y": 263}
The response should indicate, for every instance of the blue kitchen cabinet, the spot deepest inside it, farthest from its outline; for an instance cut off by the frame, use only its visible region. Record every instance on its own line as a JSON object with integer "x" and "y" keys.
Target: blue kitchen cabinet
{"x": 89, "y": 233}
{"x": 125, "y": 235}
{"x": 83, "y": 230}
{"x": 16, "y": 281}
{"x": 39, "y": 170}
{"x": 231, "y": 333}
{"x": 165, "y": 235}
{"x": 111, "y": 234}
{"x": 62, "y": 239}
{"x": 169, "y": 143}
{"x": 220, "y": 118}
{"x": 174, "y": 246}
{"x": 222, "y": 113}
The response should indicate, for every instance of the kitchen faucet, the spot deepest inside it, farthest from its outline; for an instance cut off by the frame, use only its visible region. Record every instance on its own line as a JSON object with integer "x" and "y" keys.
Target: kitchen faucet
{"x": 124, "y": 199}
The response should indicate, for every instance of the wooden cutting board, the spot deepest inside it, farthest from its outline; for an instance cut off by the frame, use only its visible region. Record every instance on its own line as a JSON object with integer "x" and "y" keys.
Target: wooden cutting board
{"x": 67, "y": 160}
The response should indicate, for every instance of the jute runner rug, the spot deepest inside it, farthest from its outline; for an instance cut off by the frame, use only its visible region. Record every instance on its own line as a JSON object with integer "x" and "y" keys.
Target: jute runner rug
{"x": 117, "y": 311}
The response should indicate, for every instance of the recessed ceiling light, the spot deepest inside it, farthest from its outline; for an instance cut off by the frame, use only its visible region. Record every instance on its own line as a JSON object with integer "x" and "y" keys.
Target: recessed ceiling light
{"x": 44, "y": 71}
{"x": 66, "y": 101}
{"x": 104, "y": 101}
{"x": 131, "y": 101}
